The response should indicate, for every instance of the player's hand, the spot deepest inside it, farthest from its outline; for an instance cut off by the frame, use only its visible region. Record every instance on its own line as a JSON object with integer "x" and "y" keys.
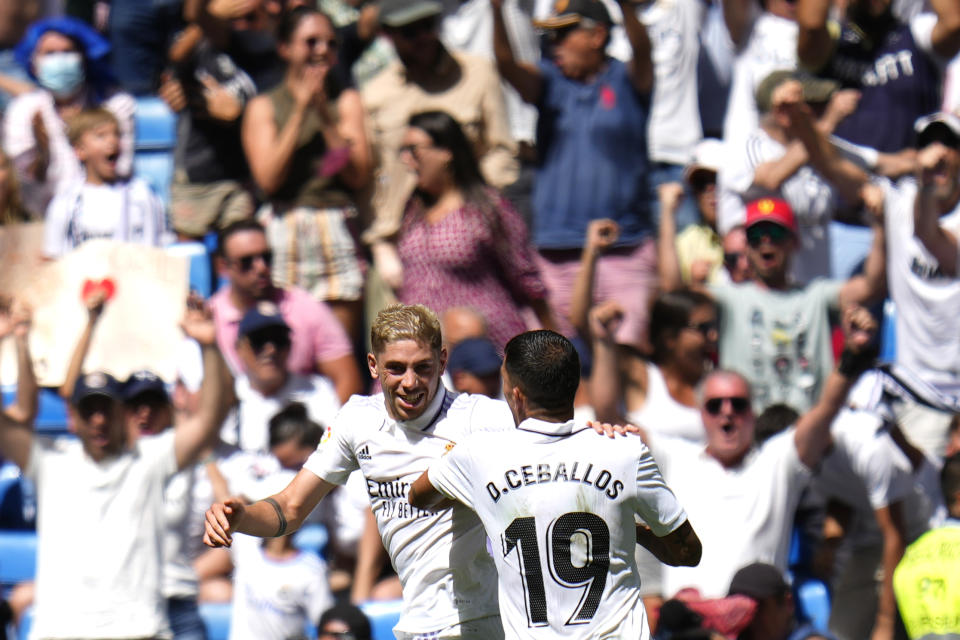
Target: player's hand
{"x": 612, "y": 430}
{"x": 220, "y": 520}
{"x": 601, "y": 234}
{"x": 604, "y": 319}
{"x": 198, "y": 321}
{"x": 859, "y": 328}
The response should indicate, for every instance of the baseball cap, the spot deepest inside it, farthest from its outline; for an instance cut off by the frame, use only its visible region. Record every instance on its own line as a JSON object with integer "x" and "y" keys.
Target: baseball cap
{"x": 815, "y": 90}
{"x": 707, "y": 156}
{"x": 96, "y": 384}
{"x": 399, "y": 13}
{"x": 938, "y": 127}
{"x": 772, "y": 210}
{"x": 263, "y": 315}
{"x": 570, "y": 12}
{"x": 143, "y": 381}
{"x": 758, "y": 581}
{"x": 474, "y": 355}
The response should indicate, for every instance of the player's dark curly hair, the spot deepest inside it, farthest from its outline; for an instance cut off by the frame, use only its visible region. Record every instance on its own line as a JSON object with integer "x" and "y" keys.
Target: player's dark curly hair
{"x": 545, "y": 366}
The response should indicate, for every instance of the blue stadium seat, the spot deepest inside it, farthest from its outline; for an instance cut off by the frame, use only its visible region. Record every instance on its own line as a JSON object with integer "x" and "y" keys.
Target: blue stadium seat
{"x": 18, "y": 557}
{"x": 201, "y": 274}
{"x": 888, "y": 332}
{"x": 383, "y": 616}
{"x": 813, "y": 602}
{"x": 155, "y": 125}
{"x": 216, "y": 617}
{"x": 156, "y": 169}
{"x": 311, "y": 537}
{"x": 52, "y": 410}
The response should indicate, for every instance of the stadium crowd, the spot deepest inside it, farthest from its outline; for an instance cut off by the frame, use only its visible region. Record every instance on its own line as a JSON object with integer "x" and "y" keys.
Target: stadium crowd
{"x": 744, "y": 215}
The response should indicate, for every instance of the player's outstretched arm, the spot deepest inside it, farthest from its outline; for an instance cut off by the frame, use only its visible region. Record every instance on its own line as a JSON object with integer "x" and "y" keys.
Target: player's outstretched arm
{"x": 278, "y": 515}
{"x": 679, "y": 548}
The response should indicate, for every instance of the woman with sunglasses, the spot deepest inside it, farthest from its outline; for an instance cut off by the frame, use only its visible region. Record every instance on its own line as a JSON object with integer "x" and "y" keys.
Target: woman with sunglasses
{"x": 306, "y": 145}
{"x": 461, "y": 243}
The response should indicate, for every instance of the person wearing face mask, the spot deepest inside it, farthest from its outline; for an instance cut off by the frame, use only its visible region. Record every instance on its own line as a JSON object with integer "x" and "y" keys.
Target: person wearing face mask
{"x": 67, "y": 59}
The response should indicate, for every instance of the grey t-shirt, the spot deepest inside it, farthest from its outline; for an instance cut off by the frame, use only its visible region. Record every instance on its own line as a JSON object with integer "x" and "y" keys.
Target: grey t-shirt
{"x": 779, "y": 340}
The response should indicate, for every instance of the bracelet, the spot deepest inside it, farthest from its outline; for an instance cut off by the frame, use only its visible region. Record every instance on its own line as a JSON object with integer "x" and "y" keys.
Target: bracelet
{"x": 282, "y": 529}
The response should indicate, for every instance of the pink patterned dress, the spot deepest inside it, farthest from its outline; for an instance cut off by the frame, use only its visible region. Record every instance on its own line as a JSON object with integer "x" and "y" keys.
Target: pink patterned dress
{"x": 463, "y": 260}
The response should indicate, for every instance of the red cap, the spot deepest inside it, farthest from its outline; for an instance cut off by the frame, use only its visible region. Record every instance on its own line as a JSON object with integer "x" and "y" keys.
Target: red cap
{"x": 772, "y": 210}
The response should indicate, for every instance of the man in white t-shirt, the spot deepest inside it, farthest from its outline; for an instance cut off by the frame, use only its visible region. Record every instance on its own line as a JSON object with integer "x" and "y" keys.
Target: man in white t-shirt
{"x": 764, "y": 40}
{"x": 100, "y": 504}
{"x": 560, "y": 504}
{"x": 267, "y": 385}
{"x": 449, "y": 580}
{"x": 740, "y": 497}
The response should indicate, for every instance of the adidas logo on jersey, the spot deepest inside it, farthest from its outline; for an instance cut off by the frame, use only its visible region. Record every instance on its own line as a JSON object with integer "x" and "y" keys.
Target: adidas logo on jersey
{"x": 364, "y": 454}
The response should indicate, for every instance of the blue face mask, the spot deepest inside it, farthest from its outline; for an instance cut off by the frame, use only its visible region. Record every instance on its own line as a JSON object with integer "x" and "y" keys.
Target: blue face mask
{"x": 61, "y": 73}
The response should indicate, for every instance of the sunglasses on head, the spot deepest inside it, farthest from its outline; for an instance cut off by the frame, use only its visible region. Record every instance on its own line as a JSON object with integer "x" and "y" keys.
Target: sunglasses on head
{"x": 246, "y": 262}
{"x": 739, "y": 404}
{"x": 260, "y": 339}
{"x": 776, "y": 233}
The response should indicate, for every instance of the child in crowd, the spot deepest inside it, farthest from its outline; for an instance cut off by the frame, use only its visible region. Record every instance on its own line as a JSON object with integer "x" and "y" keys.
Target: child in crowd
{"x": 102, "y": 205}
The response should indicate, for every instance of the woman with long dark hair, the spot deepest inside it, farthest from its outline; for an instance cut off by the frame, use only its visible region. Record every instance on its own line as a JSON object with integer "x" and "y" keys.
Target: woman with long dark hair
{"x": 461, "y": 243}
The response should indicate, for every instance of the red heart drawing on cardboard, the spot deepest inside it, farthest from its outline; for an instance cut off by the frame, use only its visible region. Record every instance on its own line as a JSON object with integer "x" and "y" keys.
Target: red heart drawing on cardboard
{"x": 107, "y": 286}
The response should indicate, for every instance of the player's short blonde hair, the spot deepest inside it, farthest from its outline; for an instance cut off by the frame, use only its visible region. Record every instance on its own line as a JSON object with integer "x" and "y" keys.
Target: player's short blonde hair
{"x": 406, "y": 322}
{"x": 89, "y": 119}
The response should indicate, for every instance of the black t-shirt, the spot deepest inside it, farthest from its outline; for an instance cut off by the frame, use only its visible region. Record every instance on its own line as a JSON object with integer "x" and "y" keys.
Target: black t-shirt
{"x": 210, "y": 150}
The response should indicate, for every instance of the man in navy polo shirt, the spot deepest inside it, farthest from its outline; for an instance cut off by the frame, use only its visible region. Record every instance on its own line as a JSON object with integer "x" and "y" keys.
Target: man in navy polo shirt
{"x": 592, "y": 147}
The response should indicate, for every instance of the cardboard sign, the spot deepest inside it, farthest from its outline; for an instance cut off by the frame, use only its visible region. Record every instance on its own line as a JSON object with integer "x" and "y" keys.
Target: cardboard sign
{"x": 139, "y": 327}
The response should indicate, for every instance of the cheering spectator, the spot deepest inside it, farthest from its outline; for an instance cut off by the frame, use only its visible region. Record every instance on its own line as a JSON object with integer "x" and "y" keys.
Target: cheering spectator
{"x": 593, "y": 155}
{"x": 306, "y": 145}
{"x": 101, "y": 205}
{"x": 114, "y": 587}
{"x": 735, "y": 261}
{"x": 209, "y": 91}
{"x": 775, "y": 617}
{"x": 267, "y": 385}
{"x": 734, "y": 480}
{"x": 775, "y": 333}
{"x": 773, "y": 161}
{"x": 897, "y": 66}
{"x": 318, "y": 341}
{"x": 68, "y": 60}
{"x": 342, "y": 619}
{"x": 462, "y": 243}
{"x": 427, "y": 77}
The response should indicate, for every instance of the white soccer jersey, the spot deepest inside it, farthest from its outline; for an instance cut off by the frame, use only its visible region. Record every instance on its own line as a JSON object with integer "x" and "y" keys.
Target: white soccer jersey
{"x": 559, "y": 504}
{"x": 441, "y": 557}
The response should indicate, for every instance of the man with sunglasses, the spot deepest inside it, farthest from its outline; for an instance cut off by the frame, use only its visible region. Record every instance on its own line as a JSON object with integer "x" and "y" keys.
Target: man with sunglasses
{"x": 741, "y": 497}
{"x": 777, "y": 334}
{"x": 266, "y": 385}
{"x": 318, "y": 342}
{"x": 100, "y": 502}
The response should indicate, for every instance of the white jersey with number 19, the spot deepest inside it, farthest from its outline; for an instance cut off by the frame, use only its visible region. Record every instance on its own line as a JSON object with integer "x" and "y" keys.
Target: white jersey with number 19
{"x": 560, "y": 505}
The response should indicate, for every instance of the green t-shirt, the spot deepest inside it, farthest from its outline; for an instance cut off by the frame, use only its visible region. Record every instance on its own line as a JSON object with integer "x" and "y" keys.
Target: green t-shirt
{"x": 927, "y": 584}
{"x": 778, "y": 340}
